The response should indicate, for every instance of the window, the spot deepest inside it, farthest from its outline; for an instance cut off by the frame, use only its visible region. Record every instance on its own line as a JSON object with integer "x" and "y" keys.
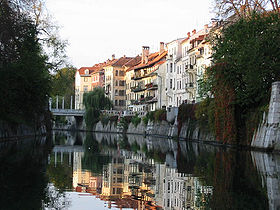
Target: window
{"x": 171, "y": 66}
{"x": 180, "y": 84}
{"x": 117, "y": 72}
{"x": 116, "y": 102}
{"x": 116, "y": 82}
{"x": 116, "y": 93}
{"x": 122, "y": 102}
{"x": 121, "y": 73}
{"x": 121, "y": 92}
{"x": 85, "y": 88}
{"x": 170, "y": 83}
{"x": 122, "y": 83}
{"x": 166, "y": 68}
{"x": 85, "y": 79}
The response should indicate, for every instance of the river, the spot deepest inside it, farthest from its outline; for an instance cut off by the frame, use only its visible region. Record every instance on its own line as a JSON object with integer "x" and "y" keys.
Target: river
{"x": 82, "y": 171}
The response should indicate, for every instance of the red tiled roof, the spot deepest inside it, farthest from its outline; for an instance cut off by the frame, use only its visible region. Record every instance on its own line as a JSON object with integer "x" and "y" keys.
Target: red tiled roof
{"x": 121, "y": 61}
{"x": 133, "y": 62}
{"x": 153, "y": 58}
{"x": 82, "y": 70}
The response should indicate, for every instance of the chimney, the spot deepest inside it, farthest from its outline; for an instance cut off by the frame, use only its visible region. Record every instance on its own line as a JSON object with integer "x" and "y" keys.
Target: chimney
{"x": 161, "y": 48}
{"x": 205, "y": 27}
{"x": 113, "y": 57}
{"x": 189, "y": 34}
{"x": 145, "y": 54}
{"x": 193, "y": 32}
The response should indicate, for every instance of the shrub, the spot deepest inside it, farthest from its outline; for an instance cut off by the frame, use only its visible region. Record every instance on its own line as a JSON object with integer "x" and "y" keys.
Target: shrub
{"x": 135, "y": 120}
{"x": 160, "y": 115}
{"x": 145, "y": 120}
{"x": 104, "y": 119}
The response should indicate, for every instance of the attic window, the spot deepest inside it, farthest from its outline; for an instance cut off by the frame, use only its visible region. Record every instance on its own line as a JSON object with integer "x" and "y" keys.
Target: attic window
{"x": 86, "y": 71}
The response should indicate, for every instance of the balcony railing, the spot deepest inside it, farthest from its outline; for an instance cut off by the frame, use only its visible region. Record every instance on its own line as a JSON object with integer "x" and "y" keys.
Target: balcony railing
{"x": 151, "y": 86}
{"x": 144, "y": 100}
{"x": 138, "y": 89}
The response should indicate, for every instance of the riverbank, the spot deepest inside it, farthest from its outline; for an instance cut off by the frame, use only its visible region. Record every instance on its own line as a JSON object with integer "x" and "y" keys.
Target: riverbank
{"x": 10, "y": 131}
{"x": 188, "y": 132}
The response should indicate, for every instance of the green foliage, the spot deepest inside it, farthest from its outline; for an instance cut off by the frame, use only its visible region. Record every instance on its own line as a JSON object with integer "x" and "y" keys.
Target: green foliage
{"x": 93, "y": 160}
{"x": 94, "y": 102}
{"x": 135, "y": 147}
{"x": 246, "y": 63}
{"x": 250, "y": 48}
{"x": 63, "y": 84}
{"x": 205, "y": 114}
{"x": 114, "y": 119}
{"x": 145, "y": 120}
{"x": 186, "y": 112}
{"x": 160, "y": 115}
{"x": 136, "y": 120}
{"x": 60, "y": 175}
{"x": 105, "y": 119}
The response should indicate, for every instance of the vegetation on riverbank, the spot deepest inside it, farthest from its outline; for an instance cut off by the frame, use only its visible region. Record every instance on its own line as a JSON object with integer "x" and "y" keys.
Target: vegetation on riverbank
{"x": 246, "y": 62}
{"x": 25, "y": 64}
{"x": 94, "y": 102}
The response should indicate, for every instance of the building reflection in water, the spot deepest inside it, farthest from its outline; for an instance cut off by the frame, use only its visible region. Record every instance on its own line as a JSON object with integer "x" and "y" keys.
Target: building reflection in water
{"x": 150, "y": 178}
{"x": 133, "y": 180}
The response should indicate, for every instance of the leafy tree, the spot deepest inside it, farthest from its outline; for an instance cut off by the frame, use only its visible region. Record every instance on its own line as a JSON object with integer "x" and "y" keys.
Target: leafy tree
{"x": 94, "y": 102}
{"x": 63, "y": 84}
{"x": 24, "y": 65}
{"x": 246, "y": 62}
{"x": 24, "y": 74}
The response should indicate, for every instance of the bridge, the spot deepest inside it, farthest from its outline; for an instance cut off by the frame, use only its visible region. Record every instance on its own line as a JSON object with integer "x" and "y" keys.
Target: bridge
{"x": 68, "y": 112}
{"x": 65, "y": 112}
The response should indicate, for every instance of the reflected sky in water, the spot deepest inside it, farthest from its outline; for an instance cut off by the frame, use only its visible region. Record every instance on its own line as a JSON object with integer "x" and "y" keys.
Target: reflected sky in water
{"x": 102, "y": 171}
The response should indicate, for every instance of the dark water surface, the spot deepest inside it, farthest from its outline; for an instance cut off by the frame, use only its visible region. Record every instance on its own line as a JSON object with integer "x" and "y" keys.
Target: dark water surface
{"x": 85, "y": 171}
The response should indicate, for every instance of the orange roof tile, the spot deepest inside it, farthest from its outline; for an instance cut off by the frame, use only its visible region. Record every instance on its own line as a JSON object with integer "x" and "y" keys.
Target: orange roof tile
{"x": 153, "y": 58}
{"x": 121, "y": 61}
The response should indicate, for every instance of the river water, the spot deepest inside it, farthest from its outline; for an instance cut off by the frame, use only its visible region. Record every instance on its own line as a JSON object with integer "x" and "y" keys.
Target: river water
{"x": 85, "y": 171}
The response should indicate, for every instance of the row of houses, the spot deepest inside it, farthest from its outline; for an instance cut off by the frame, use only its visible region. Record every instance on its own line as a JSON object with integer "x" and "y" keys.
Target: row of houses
{"x": 151, "y": 81}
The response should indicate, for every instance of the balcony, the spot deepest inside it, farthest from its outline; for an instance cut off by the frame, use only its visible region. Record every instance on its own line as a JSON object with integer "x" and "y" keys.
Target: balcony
{"x": 151, "y": 86}
{"x": 151, "y": 99}
{"x": 138, "y": 89}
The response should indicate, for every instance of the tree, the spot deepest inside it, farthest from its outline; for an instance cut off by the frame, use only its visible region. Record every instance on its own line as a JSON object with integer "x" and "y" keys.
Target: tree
{"x": 63, "y": 84}
{"x": 246, "y": 62}
{"x": 24, "y": 65}
{"x": 242, "y": 8}
{"x": 94, "y": 102}
{"x": 25, "y": 81}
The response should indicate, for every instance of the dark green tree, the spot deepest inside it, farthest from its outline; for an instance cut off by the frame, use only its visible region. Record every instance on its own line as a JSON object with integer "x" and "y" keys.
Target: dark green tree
{"x": 246, "y": 63}
{"x": 63, "y": 84}
{"x": 25, "y": 80}
{"x": 94, "y": 102}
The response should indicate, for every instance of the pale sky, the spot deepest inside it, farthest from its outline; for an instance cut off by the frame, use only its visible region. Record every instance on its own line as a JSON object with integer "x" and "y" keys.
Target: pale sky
{"x": 96, "y": 29}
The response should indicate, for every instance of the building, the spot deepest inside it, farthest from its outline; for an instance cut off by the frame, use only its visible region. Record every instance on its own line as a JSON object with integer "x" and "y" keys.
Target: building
{"x": 115, "y": 81}
{"x": 86, "y": 79}
{"x": 146, "y": 89}
{"x": 129, "y": 74}
{"x": 196, "y": 57}
{"x": 175, "y": 77}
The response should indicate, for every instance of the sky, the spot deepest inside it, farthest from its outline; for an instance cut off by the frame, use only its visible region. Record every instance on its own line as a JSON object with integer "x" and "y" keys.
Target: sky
{"x": 96, "y": 29}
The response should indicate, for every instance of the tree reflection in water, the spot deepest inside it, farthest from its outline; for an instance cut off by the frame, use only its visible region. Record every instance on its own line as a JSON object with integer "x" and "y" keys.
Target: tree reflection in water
{"x": 22, "y": 176}
{"x": 135, "y": 172}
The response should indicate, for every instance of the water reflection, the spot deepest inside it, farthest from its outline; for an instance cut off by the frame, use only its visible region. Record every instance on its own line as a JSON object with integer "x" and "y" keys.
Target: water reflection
{"x": 153, "y": 173}
{"x": 101, "y": 171}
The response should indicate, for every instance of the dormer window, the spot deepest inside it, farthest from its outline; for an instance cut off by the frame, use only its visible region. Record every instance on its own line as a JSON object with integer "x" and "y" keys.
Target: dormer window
{"x": 86, "y": 71}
